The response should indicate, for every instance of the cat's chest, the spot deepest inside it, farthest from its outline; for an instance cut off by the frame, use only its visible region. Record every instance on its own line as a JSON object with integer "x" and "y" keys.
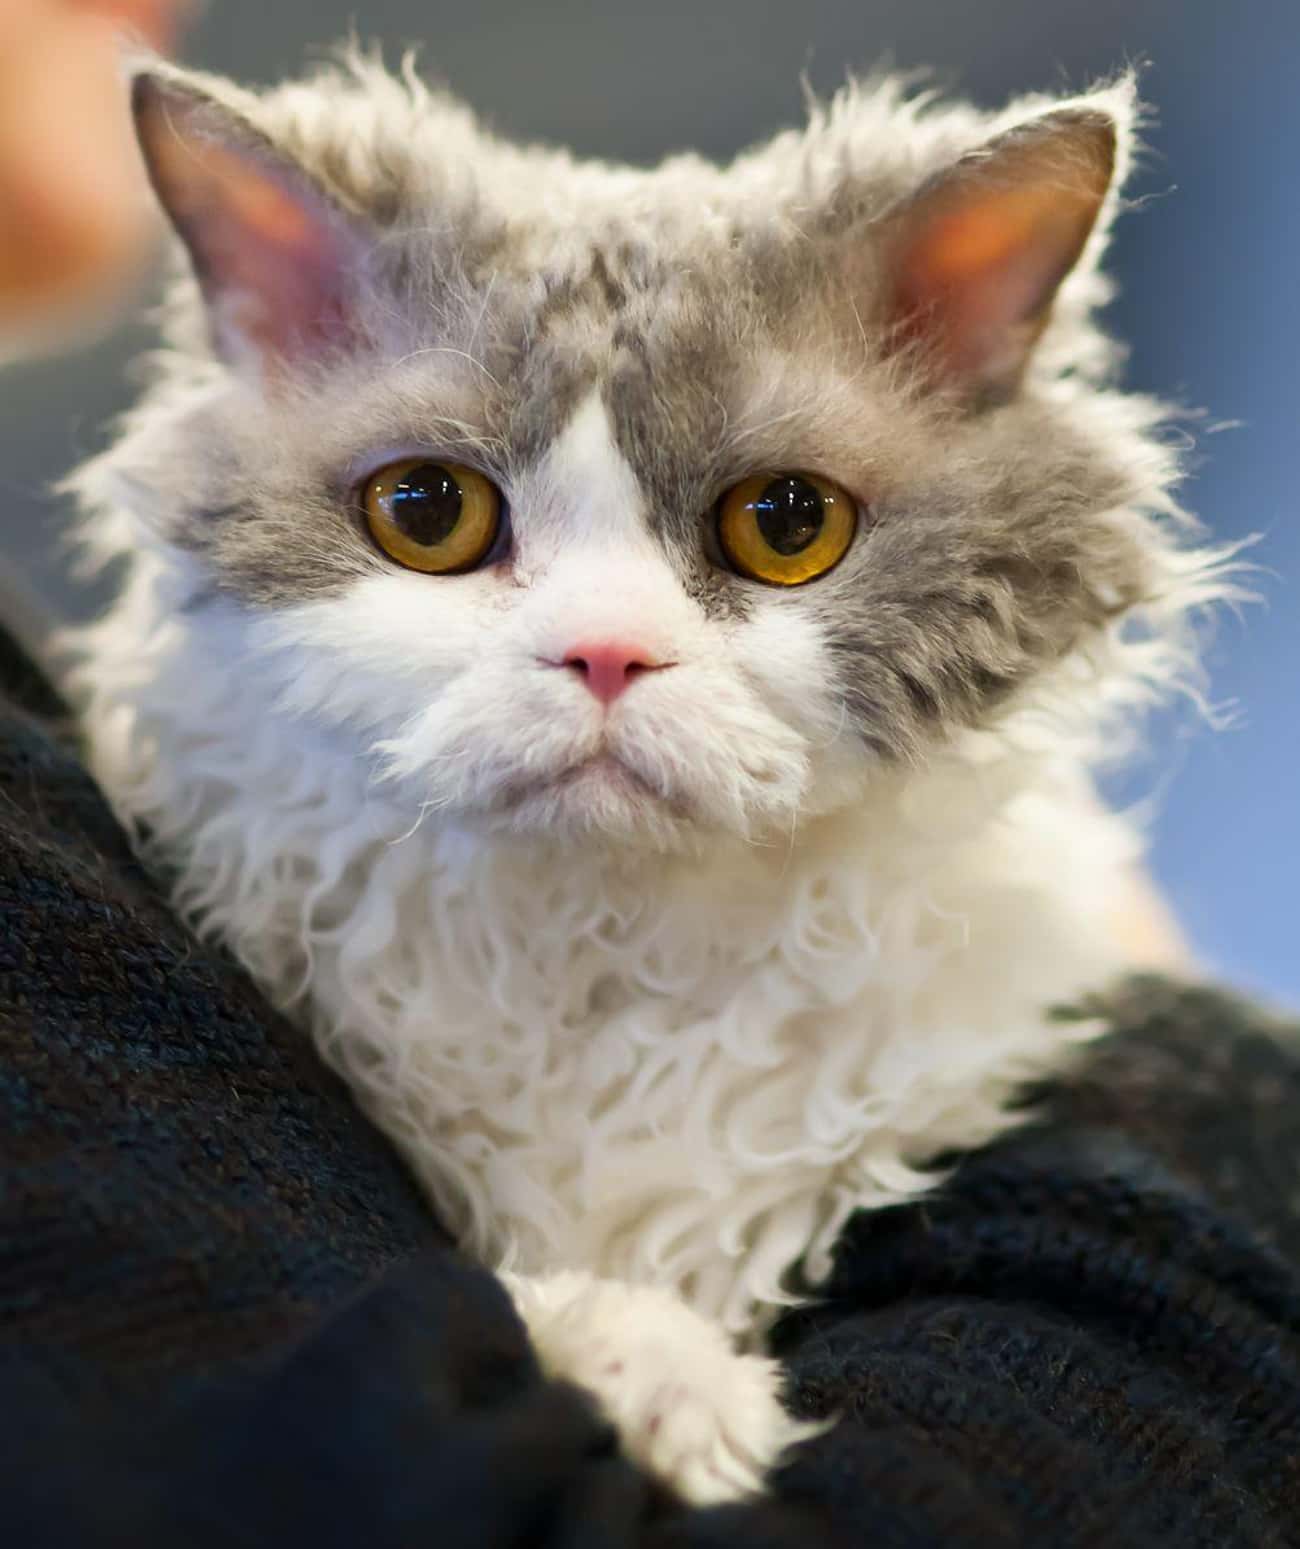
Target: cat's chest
{"x": 519, "y": 1036}
{"x": 670, "y": 1072}
{"x": 632, "y": 1084}
{"x": 524, "y": 988}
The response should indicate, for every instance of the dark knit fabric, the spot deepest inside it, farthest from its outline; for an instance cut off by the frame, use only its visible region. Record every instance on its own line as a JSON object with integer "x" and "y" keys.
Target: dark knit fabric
{"x": 226, "y": 1318}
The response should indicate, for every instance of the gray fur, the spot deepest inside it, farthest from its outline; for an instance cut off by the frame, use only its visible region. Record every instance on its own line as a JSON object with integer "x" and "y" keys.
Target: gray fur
{"x": 992, "y": 544}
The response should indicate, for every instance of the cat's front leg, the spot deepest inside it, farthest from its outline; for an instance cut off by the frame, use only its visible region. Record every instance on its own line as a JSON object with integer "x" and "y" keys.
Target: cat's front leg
{"x": 706, "y": 1420}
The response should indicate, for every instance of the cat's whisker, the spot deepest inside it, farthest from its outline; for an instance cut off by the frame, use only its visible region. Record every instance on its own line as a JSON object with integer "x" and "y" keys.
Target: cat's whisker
{"x": 446, "y": 349}
{"x": 425, "y": 808}
{"x": 748, "y": 432}
{"x": 857, "y": 318}
{"x": 834, "y": 737}
{"x": 482, "y": 311}
{"x": 791, "y": 837}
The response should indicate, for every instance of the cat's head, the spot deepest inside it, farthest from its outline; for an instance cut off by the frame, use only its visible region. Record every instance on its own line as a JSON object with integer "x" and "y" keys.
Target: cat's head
{"x": 583, "y": 499}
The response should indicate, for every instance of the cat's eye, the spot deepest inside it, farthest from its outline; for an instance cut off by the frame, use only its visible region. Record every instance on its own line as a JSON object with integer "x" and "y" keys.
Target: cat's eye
{"x": 436, "y": 517}
{"x": 785, "y": 528}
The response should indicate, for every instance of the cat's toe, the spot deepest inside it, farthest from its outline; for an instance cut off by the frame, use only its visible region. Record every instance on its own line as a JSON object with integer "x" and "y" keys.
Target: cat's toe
{"x": 707, "y": 1421}
{"x": 718, "y": 1442}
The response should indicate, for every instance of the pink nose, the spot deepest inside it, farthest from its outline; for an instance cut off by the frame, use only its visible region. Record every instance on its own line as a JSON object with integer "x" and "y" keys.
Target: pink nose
{"x": 607, "y": 667}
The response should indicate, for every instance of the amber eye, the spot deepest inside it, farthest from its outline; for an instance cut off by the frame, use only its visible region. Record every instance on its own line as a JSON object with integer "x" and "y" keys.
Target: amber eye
{"x": 440, "y": 518}
{"x": 786, "y": 528}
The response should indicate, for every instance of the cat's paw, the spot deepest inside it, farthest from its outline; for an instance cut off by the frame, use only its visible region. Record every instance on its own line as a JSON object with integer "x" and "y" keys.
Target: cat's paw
{"x": 707, "y": 1421}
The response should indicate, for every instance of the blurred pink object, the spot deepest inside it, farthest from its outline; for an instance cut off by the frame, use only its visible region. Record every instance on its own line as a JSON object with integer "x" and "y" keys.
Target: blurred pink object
{"x": 74, "y": 217}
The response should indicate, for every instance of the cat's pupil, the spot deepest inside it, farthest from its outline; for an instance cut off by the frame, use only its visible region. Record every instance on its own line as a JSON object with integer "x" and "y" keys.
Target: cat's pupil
{"x": 790, "y": 513}
{"x": 425, "y": 504}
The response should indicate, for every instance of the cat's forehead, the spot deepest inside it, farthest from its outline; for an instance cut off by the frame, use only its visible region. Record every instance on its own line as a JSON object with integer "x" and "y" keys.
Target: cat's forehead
{"x": 667, "y": 289}
{"x": 689, "y": 371}
{"x": 681, "y": 346}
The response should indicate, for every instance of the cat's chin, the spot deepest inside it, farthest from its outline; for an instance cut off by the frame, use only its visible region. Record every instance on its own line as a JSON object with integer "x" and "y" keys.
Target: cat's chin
{"x": 600, "y": 799}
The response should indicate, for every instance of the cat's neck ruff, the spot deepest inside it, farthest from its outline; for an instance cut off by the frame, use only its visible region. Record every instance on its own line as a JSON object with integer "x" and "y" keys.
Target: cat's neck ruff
{"x": 621, "y": 1063}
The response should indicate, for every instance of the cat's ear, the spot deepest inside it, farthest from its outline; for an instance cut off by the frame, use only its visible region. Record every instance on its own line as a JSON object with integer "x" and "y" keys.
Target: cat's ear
{"x": 277, "y": 260}
{"x": 976, "y": 256}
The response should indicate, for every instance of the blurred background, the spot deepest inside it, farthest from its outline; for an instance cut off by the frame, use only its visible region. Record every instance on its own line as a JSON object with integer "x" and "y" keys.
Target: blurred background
{"x": 1208, "y": 304}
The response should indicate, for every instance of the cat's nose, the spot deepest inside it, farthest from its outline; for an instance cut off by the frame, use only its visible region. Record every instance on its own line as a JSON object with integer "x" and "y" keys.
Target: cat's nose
{"x": 607, "y": 667}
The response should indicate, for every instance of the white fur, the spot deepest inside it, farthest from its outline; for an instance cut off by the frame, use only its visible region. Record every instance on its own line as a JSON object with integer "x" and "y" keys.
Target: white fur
{"x": 657, "y": 998}
{"x": 685, "y": 1404}
{"x": 674, "y": 1065}
{"x": 655, "y": 1068}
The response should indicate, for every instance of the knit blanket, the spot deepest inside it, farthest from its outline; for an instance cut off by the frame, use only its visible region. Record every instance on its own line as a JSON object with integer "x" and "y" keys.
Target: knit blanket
{"x": 228, "y": 1319}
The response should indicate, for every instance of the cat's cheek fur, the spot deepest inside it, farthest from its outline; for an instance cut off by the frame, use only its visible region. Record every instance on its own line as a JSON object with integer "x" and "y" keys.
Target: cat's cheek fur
{"x": 450, "y": 691}
{"x": 455, "y": 691}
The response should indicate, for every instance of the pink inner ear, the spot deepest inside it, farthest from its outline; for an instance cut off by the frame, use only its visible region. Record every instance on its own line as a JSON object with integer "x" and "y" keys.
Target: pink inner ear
{"x": 982, "y": 251}
{"x": 274, "y": 258}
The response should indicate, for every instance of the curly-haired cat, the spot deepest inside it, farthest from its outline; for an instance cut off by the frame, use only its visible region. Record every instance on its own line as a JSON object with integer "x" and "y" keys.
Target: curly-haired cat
{"x": 621, "y": 652}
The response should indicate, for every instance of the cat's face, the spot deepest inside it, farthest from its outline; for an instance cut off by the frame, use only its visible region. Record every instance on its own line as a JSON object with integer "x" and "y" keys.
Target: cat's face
{"x": 579, "y": 500}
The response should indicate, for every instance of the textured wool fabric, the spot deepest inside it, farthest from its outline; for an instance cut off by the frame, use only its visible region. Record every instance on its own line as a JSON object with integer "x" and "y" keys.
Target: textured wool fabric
{"x": 227, "y": 1319}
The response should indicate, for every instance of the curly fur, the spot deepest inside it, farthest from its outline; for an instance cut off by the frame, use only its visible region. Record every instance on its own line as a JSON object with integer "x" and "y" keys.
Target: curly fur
{"x": 675, "y": 1040}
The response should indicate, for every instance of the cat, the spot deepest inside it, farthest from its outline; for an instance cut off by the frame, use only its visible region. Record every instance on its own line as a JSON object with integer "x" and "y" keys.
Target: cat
{"x": 621, "y": 654}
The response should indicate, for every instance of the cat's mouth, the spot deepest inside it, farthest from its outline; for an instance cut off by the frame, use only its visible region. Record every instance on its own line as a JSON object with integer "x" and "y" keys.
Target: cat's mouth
{"x": 601, "y": 786}
{"x": 602, "y": 772}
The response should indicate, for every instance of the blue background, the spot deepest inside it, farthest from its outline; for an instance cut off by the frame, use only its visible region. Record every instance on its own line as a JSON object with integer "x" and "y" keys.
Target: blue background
{"x": 1209, "y": 304}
